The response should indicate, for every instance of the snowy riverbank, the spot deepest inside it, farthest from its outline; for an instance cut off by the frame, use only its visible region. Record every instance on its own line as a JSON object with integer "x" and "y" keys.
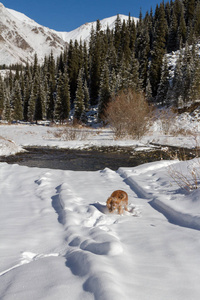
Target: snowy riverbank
{"x": 14, "y": 137}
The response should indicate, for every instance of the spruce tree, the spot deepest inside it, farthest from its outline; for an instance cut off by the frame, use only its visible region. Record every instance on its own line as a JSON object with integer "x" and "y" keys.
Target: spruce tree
{"x": 79, "y": 107}
{"x": 190, "y": 10}
{"x": 164, "y": 84}
{"x": 132, "y": 32}
{"x": 73, "y": 67}
{"x": 58, "y": 102}
{"x": 86, "y": 96}
{"x": 197, "y": 20}
{"x": 62, "y": 104}
{"x": 182, "y": 30}
{"x": 104, "y": 92}
{"x": 31, "y": 105}
{"x": 6, "y": 114}
{"x": 125, "y": 42}
{"x": 148, "y": 90}
{"x": 52, "y": 87}
{"x": 135, "y": 82}
{"x": 65, "y": 92}
{"x": 38, "y": 113}
{"x": 85, "y": 62}
{"x": 143, "y": 51}
{"x": 95, "y": 65}
{"x": 176, "y": 94}
{"x": 17, "y": 109}
{"x": 27, "y": 90}
{"x": 173, "y": 33}
{"x": 117, "y": 34}
{"x": 158, "y": 51}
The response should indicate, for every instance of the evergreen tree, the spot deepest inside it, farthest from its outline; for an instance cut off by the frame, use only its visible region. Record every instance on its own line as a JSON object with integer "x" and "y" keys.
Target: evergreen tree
{"x": 46, "y": 95}
{"x": 117, "y": 34}
{"x": 148, "y": 90}
{"x": 173, "y": 33}
{"x": 143, "y": 50}
{"x": 164, "y": 84}
{"x": 187, "y": 70}
{"x": 85, "y": 62}
{"x": 86, "y": 96}
{"x": 35, "y": 65}
{"x": 38, "y": 113}
{"x": 197, "y": 20}
{"x": 58, "y": 103}
{"x": 95, "y": 65}
{"x": 61, "y": 63}
{"x": 17, "y": 109}
{"x": 168, "y": 13}
{"x": 135, "y": 82}
{"x": 6, "y": 115}
{"x": 62, "y": 105}
{"x": 73, "y": 67}
{"x": 31, "y": 105}
{"x": 158, "y": 51}
{"x": 182, "y": 30}
{"x": 52, "y": 87}
{"x": 114, "y": 86}
{"x": 27, "y": 91}
{"x": 65, "y": 92}
{"x": 125, "y": 42}
{"x": 79, "y": 107}
{"x": 104, "y": 92}
{"x": 190, "y": 9}
{"x": 175, "y": 95}
{"x": 111, "y": 57}
{"x": 132, "y": 31}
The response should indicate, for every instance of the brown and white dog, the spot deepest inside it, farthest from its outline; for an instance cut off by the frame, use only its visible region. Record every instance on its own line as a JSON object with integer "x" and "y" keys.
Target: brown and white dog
{"x": 117, "y": 201}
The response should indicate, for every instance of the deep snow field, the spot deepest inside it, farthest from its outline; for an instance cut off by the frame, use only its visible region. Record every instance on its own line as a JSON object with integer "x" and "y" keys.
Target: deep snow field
{"x": 58, "y": 240}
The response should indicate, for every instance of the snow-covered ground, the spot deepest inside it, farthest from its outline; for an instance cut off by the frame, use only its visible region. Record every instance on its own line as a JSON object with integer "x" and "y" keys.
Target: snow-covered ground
{"x": 21, "y": 135}
{"x": 58, "y": 240}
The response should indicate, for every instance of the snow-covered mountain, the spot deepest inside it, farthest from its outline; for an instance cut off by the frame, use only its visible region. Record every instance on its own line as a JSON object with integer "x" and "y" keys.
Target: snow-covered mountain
{"x": 83, "y": 32}
{"x": 21, "y": 37}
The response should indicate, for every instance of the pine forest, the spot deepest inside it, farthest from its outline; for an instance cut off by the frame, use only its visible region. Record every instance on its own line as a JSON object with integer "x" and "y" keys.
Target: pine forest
{"x": 132, "y": 56}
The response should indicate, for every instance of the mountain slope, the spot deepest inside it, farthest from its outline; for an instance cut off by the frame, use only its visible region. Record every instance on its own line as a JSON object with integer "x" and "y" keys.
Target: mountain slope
{"x": 21, "y": 38}
{"x": 83, "y": 32}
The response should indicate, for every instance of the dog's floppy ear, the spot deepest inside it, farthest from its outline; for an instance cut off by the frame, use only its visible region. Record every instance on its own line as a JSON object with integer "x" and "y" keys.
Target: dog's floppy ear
{"x": 109, "y": 202}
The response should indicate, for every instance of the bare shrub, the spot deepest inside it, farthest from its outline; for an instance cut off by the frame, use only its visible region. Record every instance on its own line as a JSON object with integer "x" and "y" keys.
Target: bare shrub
{"x": 128, "y": 114}
{"x": 70, "y": 133}
{"x": 188, "y": 180}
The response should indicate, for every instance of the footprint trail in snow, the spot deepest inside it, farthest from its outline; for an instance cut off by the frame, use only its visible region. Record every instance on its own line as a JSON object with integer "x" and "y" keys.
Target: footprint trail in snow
{"x": 93, "y": 244}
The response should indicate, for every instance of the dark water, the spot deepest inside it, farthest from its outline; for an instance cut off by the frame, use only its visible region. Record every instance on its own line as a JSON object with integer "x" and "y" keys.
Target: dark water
{"x": 89, "y": 160}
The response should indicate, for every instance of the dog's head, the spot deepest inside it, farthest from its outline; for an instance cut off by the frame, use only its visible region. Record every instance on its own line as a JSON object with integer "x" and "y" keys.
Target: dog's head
{"x": 112, "y": 203}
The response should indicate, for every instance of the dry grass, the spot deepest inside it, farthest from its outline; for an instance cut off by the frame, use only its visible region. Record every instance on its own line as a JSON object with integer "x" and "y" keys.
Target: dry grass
{"x": 70, "y": 133}
{"x": 189, "y": 180}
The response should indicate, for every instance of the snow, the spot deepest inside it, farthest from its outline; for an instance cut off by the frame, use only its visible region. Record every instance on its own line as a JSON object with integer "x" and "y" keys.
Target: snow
{"x": 59, "y": 241}
{"x": 22, "y": 38}
{"x": 83, "y": 32}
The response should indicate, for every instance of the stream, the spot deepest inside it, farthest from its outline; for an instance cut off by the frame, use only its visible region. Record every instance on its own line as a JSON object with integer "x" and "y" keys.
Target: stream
{"x": 94, "y": 158}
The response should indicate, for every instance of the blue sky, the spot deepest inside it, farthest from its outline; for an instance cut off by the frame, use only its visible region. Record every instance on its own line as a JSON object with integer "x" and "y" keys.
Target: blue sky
{"x": 66, "y": 15}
